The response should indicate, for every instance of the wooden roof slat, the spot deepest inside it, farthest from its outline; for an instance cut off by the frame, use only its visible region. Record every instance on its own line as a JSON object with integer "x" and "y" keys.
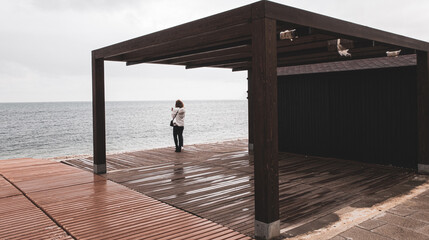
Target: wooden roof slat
{"x": 303, "y": 47}
{"x": 232, "y": 17}
{"x": 229, "y": 58}
{"x": 205, "y": 55}
{"x": 234, "y": 64}
{"x": 350, "y": 65}
{"x": 357, "y": 53}
{"x": 305, "y": 40}
{"x": 318, "y": 21}
{"x": 196, "y": 43}
{"x": 212, "y": 51}
{"x": 242, "y": 68}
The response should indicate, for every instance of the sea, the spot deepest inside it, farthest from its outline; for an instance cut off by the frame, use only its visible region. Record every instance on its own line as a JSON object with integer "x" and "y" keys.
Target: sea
{"x": 55, "y": 129}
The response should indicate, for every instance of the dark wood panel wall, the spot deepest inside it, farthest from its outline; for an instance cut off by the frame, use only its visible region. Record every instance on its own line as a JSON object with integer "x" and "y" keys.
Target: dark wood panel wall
{"x": 367, "y": 115}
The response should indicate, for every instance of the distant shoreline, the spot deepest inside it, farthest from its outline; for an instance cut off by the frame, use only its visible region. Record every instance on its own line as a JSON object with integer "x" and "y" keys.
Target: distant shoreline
{"x": 62, "y": 158}
{"x": 77, "y": 156}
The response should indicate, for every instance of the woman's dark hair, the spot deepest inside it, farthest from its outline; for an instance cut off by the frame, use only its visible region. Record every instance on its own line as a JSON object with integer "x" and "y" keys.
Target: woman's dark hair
{"x": 179, "y": 104}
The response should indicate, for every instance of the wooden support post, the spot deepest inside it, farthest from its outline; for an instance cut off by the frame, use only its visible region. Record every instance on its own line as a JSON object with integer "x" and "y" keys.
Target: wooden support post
{"x": 265, "y": 127}
{"x": 423, "y": 111}
{"x": 250, "y": 110}
{"x": 98, "y": 113}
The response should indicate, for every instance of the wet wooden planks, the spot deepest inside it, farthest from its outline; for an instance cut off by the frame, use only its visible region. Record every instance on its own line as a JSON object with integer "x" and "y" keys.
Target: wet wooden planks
{"x": 21, "y": 219}
{"x": 90, "y": 207}
{"x": 215, "y": 181}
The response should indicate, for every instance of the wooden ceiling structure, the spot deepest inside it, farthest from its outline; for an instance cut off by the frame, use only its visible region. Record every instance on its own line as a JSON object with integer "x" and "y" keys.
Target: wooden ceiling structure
{"x": 225, "y": 40}
{"x": 248, "y": 39}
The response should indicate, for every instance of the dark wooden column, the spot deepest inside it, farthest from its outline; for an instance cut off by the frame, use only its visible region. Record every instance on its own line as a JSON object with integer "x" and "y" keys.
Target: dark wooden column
{"x": 265, "y": 128}
{"x": 98, "y": 115}
{"x": 423, "y": 111}
{"x": 250, "y": 111}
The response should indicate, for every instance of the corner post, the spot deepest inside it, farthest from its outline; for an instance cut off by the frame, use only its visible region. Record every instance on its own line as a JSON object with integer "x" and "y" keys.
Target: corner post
{"x": 423, "y": 111}
{"x": 98, "y": 113}
{"x": 250, "y": 111}
{"x": 265, "y": 123}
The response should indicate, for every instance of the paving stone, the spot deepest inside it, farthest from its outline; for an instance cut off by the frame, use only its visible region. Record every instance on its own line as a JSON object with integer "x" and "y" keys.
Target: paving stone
{"x": 402, "y": 210}
{"x": 313, "y": 225}
{"x": 405, "y": 222}
{"x": 416, "y": 205}
{"x": 399, "y": 233}
{"x": 424, "y": 230}
{"x": 421, "y": 199}
{"x": 338, "y": 238}
{"x": 421, "y": 216}
{"x": 426, "y": 193}
{"x": 371, "y": 224}
{"x": 356, "y": 233}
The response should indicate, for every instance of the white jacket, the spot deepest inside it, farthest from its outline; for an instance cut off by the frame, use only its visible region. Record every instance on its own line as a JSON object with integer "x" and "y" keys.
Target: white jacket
{"x": 180, "y": 118}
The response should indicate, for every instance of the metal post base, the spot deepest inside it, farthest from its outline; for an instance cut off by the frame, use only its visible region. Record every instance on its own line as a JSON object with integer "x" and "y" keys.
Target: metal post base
{"x": 267, "y": 230}
{"x": 423, "y": 168}
{"x": 99, "y": 168}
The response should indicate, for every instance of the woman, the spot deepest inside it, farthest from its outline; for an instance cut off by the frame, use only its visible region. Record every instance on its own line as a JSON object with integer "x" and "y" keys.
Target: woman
{"x": 178, "y": 116}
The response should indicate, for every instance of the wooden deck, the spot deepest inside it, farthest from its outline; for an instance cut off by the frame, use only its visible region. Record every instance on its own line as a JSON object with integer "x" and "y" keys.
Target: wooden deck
{"x": 215, "y": 181}
{"x": 40, "y": 199}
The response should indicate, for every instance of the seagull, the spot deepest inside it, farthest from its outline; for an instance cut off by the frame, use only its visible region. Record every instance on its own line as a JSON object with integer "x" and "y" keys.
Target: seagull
{"x": 393, "y": 53}
{"x": 342, "y": 50}
{"x": 288, "y": 34}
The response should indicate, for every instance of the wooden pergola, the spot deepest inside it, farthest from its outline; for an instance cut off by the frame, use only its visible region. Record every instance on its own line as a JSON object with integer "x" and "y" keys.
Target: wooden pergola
{"x": 247, "y": 39}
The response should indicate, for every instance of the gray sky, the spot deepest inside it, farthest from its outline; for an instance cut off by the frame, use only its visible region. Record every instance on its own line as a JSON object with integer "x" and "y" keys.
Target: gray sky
{"x": 46, "y": 44}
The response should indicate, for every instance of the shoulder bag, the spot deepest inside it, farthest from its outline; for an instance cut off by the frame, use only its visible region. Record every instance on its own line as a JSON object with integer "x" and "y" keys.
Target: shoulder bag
{"x": 171, "y": 122}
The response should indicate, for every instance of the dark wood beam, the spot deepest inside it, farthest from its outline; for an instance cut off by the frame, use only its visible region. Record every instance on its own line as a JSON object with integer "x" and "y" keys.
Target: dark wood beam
{"x": 241, "y": 49}
{"x": 211, "y": 23}
{"x": 247, "y": 65}
{"x": 304, "y": 49}
{"x": 265, "y": 127}
{"x": 183, "y": 57}
{"x": 304, "y": 40}
{"x": 223, "y": 64}
{"x": 225, "y": 36}
{"x": 243, "y": 68}
{"x": 423, "y": 111}
{"x": 216, "y": 61}
{"x": 98, "y": 113}
{"x": 313, "y": 20}
{"x": 330, "y": 56}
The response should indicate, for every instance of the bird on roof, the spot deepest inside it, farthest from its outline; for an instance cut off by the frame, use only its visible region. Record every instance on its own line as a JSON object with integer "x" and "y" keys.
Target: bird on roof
{"x": 342, "y": 50}
{"x": 393, "y": 53}
{"x": 288, "y": 34}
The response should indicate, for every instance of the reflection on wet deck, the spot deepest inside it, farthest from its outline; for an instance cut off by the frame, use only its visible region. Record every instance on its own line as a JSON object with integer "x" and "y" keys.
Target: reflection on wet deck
{"x": 215, "y": 181}
{"x": 41, "y": 199}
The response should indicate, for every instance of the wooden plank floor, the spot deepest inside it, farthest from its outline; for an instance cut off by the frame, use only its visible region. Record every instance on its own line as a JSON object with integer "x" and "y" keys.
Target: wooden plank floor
{"x": 41, "y": 199}
{"x": 215, "y": 181}
{"x": 21, "y": 219}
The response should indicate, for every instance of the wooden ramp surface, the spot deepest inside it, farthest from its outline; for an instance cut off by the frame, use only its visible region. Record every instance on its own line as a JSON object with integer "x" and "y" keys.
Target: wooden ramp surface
{"x": 215, "y": 181}
{"x": 40, "y": 199}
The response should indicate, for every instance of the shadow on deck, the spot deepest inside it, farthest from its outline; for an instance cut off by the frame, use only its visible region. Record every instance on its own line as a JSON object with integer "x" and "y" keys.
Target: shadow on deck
{"x": 215, "y": 181}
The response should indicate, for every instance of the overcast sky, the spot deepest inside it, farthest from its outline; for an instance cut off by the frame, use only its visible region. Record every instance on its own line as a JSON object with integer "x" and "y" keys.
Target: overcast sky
{"x": 46, "y": 45}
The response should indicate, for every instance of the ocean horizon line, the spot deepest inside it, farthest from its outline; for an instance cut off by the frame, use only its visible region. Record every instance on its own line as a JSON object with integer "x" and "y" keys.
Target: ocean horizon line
{"x": 192, "y": 100}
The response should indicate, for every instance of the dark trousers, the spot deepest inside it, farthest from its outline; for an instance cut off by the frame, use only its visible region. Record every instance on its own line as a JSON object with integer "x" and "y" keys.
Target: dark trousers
{"x": 178, "y": 136}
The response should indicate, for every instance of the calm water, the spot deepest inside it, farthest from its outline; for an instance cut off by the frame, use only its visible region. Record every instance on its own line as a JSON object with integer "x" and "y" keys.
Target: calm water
{"x": 59, "y": 129}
